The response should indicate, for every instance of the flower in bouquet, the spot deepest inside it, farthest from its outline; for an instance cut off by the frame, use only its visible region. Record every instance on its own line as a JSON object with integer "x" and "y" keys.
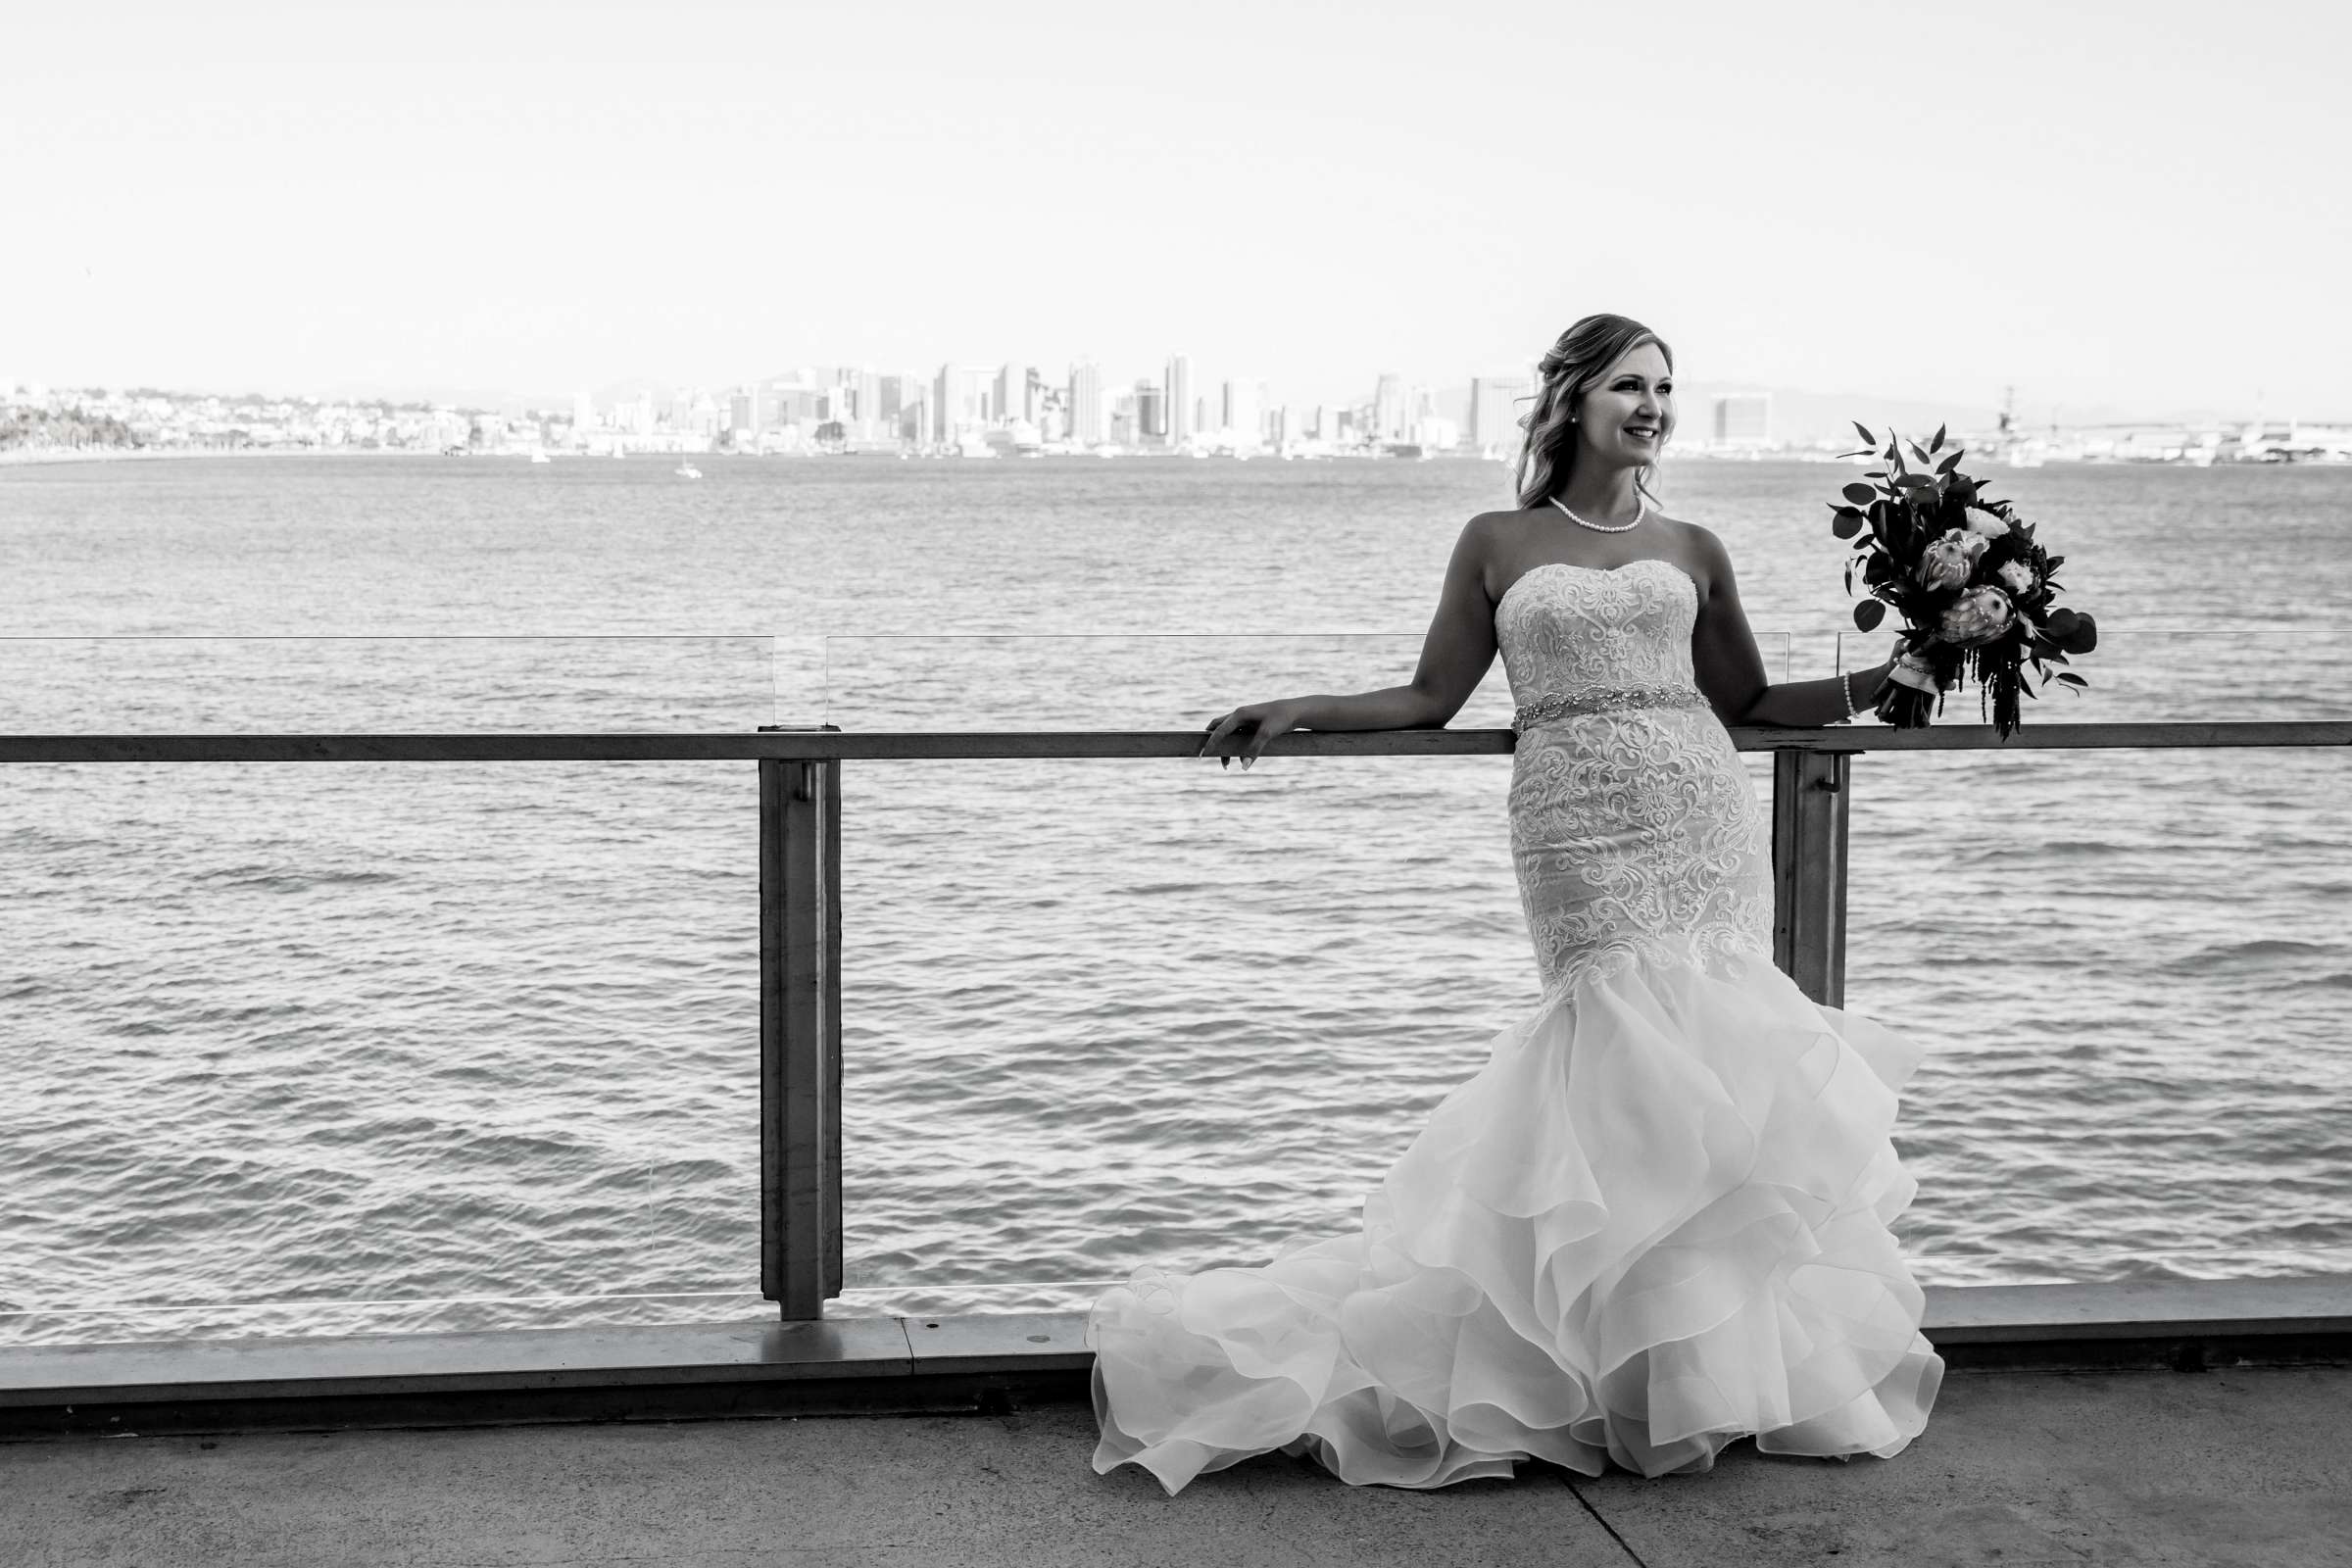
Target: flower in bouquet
{"x": 1979, "y": 616}
{"x": 1947, "y": 562}
{"x": 1975, "y": 591}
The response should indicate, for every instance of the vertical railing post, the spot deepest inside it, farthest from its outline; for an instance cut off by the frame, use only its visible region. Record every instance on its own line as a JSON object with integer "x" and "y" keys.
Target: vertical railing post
{"x": 1809, "y": 798}
{"x": 800, "y": 1034}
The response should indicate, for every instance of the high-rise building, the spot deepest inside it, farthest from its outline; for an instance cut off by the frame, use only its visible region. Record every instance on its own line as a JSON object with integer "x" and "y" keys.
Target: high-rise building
{"x": 1392, "y": 408}
{"x": 1010, "y": 397}
{"x": 583, "y": 412}
{"x": 890, "y": 397}
{"x": 1243, "y": 400}
{"x": 958, "y": 394}
{"x": 1495, "y": 409}
{"x": 1090, "y": 424}
{"x": 1151, "y": 413}
{"x": 790, "y": 404}
{"x": 1744, "y": 419}
{"x": 1183, "y": 416}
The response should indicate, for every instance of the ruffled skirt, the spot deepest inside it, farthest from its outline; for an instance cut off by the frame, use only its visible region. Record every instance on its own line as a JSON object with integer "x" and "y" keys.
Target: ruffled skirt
{"x": 1654, "y": 1221}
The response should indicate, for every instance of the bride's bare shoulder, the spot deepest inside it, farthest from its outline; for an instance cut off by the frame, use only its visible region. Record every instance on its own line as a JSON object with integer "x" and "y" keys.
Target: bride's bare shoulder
{"x": 1692, "y": 536}
{"x": 1700, "y": 552}
{"x": 1490, "y": 543}
{"x": 1507, "y": 523}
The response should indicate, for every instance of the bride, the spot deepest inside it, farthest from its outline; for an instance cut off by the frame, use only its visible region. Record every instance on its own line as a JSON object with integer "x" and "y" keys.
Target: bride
{"x": 1656, "y": 1220}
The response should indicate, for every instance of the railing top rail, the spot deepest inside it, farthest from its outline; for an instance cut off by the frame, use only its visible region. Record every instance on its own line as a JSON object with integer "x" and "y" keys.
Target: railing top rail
{"x": 811, "y": 745}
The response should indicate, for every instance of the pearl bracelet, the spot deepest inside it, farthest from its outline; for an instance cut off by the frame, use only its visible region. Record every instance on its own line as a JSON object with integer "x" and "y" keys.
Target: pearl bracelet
{"x": 1845, "y": 689}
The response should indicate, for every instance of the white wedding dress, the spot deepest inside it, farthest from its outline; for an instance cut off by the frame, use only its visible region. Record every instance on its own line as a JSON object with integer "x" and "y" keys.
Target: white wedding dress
{"x": 1654, "y": 1221}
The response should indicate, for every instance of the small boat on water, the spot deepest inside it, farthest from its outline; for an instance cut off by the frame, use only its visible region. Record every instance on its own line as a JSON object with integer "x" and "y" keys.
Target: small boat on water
{"x": 687, "y": 470}
{"x": 541, "y": 457}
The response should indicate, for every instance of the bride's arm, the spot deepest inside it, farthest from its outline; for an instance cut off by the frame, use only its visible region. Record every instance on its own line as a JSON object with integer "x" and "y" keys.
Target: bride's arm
{"x": 1730, "y": 670}
{"x": 1454, "y": 656}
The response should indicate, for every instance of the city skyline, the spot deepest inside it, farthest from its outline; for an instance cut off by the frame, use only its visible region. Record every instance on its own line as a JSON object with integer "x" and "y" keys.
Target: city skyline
{"x": 2143, "y": 211}
{"x": 1015, "y": 411}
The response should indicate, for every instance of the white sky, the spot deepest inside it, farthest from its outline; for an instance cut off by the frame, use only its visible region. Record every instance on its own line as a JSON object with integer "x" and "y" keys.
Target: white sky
{"x": 2145, "y": 205}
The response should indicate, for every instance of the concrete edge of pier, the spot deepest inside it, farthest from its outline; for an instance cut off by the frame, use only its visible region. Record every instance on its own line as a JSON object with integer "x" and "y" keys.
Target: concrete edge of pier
{"x": 990, "y": 1362}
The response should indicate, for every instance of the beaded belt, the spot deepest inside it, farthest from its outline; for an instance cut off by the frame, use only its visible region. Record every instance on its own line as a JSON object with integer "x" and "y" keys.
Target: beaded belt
{"x": 1603, "y": 700}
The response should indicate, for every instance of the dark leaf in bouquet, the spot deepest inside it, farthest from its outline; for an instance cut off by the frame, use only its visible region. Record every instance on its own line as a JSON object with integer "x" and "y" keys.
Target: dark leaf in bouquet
{"x": 1847, "y": 522}
{"x": 1916, "y": 482}
{"x": 1951, "y": 460}
{"x": 2058, "y": 623}
{"x": 1937, "y": 445}
{"x": 1919, "y": 451}
{"x": 1868, "y": 613}
{"x": 2086, "y": 636}
{"x": 1876, "y": 569}
{"x": 2070, "y": 678}
{"x": 1861, "y": 495}
{"x": 1875, "y": 474}
{"x": 1843, "y": 455}
{"x": 1868, "y": 439}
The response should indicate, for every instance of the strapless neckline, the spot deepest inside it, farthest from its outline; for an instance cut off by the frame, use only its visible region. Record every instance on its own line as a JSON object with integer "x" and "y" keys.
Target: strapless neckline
{"x": 1570, "y": 566}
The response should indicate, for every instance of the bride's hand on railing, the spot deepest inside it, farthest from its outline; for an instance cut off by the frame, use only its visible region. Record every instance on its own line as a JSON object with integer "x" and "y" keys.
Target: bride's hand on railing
{"x": 1246, "y": 730}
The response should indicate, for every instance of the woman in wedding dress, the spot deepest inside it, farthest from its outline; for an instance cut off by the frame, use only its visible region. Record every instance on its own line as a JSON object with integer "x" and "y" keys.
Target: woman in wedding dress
{"x": 1656, "y": 1220}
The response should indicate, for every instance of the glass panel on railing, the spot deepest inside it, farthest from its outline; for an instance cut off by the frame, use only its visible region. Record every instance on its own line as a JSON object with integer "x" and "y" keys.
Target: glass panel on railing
{"x": 317, "y": 685}
{"x": 1100, "y": 1013}
{"x": 470, "y": 1041}
{"x": 1112, "y": 680}
{"x": 2173, "y": 673}
{"x": 1129, "y": 681}
{"x": 2129, "y": 972}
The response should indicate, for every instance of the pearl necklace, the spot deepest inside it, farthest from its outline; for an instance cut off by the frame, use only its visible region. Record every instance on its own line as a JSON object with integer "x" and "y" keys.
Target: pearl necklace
{"x": 1641, "y": 511}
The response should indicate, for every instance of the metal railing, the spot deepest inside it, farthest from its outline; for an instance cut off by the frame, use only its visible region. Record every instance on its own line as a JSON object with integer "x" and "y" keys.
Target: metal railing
{"x": 799, "y": 850}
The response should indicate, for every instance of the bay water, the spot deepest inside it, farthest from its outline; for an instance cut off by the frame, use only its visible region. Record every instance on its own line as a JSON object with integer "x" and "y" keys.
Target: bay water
{"x": 345, "y": 1048}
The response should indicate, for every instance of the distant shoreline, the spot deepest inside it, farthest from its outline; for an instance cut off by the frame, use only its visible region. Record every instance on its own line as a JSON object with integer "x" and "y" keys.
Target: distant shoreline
{"x": 36, "y": 457}
{"x": 43, "y": 457}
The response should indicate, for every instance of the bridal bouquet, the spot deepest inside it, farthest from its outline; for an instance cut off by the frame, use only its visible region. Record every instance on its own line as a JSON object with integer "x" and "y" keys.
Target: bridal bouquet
{"x": 1975, "y": 591}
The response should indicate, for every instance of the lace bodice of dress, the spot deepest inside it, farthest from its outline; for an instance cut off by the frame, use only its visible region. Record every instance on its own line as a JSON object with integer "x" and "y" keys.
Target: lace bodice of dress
{"x": 1635, "y": 830}
{"x": 1574, "y": 633}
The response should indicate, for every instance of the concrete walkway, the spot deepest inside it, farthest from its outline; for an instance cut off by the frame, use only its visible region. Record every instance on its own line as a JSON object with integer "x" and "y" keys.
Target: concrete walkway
{"x": 2246, "y": 1466}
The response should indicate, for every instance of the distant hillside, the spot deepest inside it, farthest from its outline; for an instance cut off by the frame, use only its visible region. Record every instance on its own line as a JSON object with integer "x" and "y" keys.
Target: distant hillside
{"x": 70, "y": 427}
